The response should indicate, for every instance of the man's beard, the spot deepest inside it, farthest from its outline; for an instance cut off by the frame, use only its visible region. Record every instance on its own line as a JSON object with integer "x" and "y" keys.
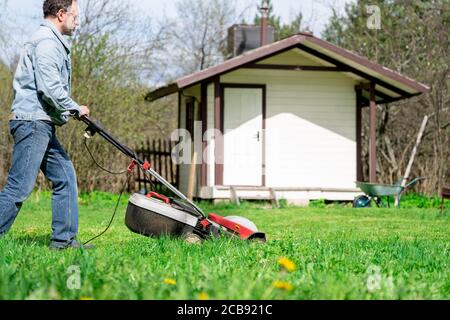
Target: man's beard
{"x": 68, "y": 32}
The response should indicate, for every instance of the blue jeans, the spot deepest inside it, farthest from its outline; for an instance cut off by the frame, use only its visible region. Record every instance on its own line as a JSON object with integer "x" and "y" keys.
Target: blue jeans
{"x": 37, "y": 148}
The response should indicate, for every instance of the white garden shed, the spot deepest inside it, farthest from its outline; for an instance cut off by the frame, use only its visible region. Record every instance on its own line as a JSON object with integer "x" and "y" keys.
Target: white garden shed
{"x": 290, "y": 112}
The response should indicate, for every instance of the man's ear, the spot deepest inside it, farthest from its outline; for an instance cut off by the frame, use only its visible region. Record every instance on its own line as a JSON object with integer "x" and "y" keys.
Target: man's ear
{"x": 60, "y": 15}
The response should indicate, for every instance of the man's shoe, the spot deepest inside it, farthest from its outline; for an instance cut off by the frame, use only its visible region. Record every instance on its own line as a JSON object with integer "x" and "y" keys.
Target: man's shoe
{"x": 74, "y": 244}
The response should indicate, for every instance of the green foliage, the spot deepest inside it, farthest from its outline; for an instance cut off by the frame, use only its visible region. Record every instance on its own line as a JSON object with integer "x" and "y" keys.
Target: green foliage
{"x": 414, "y": 41}
{"x": 5, "y": 102}
{"x": 283, "y": 203}
{"x": 107, "y": 77}
{"x": 318, "y": 203}
{"x": 410, "y": 200}
{"x": 414, "y": 200}
{"x": 334, "y": 250}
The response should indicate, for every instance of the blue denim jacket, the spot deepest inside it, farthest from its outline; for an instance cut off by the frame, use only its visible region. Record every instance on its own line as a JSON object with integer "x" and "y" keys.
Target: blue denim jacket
{"x": 42, "y": 79}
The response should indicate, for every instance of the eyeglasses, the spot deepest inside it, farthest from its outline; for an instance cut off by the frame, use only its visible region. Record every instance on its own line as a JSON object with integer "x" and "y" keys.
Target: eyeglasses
{"x": 75, "y": 17}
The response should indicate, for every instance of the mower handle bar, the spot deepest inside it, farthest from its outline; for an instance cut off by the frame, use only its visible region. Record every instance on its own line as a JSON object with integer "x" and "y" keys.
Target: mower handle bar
{"x": 96, "y": 127}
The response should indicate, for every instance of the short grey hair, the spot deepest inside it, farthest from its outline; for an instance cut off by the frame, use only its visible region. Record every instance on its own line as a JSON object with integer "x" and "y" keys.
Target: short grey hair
{"x": 52, "y": 7}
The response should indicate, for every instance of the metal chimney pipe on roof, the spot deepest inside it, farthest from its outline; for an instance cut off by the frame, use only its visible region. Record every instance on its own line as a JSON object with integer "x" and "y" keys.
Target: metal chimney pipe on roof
{"x": 264, "y": 9}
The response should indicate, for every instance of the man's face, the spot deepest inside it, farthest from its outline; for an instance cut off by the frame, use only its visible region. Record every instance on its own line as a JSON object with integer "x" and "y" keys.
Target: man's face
{"x": 70, "y": 20}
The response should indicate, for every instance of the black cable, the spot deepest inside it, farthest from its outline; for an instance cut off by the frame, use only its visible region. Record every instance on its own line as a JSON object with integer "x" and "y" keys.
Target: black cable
{"x": 95, "y": 161}
{"x": 146, "y": 175}
{"x": 115, "y": 211}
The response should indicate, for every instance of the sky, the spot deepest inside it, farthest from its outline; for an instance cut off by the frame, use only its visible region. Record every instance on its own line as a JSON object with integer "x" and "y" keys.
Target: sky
{"x": 316, "y": 12}
{"x": 27, "y": 13}
{"x": 24, "y": 16}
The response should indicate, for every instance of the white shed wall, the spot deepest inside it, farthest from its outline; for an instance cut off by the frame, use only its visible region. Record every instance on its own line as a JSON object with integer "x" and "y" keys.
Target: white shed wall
{"x": 311, "y": 127}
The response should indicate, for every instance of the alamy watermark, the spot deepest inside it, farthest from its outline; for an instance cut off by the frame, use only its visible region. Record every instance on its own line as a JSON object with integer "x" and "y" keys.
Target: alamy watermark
{"x": 374, "y": 20}
{"x": 376, "y": 281}
{"x": 249, "y": 141}
{"x": 74, "y": 280}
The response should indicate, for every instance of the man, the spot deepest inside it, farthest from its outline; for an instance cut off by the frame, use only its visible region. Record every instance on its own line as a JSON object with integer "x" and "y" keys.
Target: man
{"x": 42, "y": 102}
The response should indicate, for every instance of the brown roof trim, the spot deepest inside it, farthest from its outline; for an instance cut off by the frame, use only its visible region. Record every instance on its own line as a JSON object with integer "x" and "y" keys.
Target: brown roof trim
{"x": 238, "y": 62}
{"x": 269, "y": 50}
{"x": 354, "y": 70}
{"x": 369, "y": 64}
{"x": 227, "y": 66}
{"x": 296, "y": 67}
{"x": 162, "y": 92}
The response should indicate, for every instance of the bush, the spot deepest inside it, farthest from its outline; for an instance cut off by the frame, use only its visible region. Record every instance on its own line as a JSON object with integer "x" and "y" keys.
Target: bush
{"x": 414, "y": 200}
{"x": 409, "y": 200}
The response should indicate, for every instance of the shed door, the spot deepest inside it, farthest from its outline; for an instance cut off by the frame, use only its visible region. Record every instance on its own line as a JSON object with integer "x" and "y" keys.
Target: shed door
{"x": 243, "y": 141}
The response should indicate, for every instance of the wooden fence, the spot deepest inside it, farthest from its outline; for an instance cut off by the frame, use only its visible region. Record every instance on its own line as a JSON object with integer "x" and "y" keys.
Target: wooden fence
{"x": 159, "y": 154}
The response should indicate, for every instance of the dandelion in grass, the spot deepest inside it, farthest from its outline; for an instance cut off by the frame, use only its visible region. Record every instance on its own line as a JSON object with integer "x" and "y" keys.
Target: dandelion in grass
{"x": 86, "y": 298}
{"x": 283, "y": 285}
{"x": 171, "y": 282}
{"x": 287, "y": 264}
{"x": 203, "y": 296}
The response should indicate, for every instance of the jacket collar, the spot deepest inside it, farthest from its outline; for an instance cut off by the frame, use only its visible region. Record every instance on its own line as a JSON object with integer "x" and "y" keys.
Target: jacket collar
{"x": 49, "y": 24}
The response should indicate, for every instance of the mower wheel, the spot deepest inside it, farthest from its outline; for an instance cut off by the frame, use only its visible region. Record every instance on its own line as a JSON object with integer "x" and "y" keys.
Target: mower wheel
{"x": 192, "y": 238}
{"x": 361, "y": 201}
{"x": 258, "y": 237}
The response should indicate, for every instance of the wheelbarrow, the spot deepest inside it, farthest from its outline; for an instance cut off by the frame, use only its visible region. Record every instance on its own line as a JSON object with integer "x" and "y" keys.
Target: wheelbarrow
{"x": 375, "y": 191}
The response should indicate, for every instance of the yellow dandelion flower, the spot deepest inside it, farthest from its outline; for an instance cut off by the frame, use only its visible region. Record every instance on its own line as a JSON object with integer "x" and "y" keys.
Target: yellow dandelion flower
{"x": 287, "y": 264}
{"x": 203, "y": 296}
{"x": 169, "y": 281}
{"x": 283, "y": 285}
{"x": 86, "y": 298}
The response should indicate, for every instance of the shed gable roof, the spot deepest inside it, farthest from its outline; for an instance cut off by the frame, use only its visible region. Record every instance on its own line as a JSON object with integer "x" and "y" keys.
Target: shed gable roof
{"x": 390, "y": 83}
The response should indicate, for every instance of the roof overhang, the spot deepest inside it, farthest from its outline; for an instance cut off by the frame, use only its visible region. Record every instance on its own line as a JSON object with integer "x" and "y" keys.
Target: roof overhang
{"x": 390, "y": 85}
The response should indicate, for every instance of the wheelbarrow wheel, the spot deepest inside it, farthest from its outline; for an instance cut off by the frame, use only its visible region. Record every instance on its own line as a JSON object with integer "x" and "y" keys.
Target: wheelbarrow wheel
{"x": 361, "y": 201}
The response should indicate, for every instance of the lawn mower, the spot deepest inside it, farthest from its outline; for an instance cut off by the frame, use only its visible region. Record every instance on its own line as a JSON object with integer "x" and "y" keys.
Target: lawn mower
{"x": 155, "y": 214}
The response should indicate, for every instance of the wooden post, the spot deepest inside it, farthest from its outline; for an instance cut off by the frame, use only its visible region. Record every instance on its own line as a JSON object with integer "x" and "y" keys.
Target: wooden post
{"x": 169, "y": 161}
{"x": 161, "y": 152}
{"x": 139, "y": 177}
{"x": 373, "y": 136}
{"x": 359, "y": 175}
{"x": 174, "y": 168}
{"x": 234, "y": 196}
{"x": 164, "y": 161}
{"x": 204, "y": 113}
{"x": 153, "y": 160}
{"x": 192, "y": 174}
{"x": 218, "y": 145}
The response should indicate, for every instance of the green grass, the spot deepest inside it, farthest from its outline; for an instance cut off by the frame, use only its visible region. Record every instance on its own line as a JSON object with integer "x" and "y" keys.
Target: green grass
{"x": 339, "y": 253}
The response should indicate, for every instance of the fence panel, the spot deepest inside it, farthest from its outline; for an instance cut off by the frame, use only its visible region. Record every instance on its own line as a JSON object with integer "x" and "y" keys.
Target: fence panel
{"x": 159, "y": 154}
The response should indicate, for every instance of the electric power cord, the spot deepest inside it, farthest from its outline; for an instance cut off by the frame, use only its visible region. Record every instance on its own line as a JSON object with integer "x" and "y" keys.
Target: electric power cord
{"x": 114, "y": 214}
{"x": 95, "y": 161}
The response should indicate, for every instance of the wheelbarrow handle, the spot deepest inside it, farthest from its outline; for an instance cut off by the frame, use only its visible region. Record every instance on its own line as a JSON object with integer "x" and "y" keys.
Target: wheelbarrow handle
{"x": 414, "y": 181}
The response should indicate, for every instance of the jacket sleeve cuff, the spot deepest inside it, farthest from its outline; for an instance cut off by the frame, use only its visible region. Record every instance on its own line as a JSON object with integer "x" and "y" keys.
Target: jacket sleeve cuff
{"x": 74, "y": 108}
